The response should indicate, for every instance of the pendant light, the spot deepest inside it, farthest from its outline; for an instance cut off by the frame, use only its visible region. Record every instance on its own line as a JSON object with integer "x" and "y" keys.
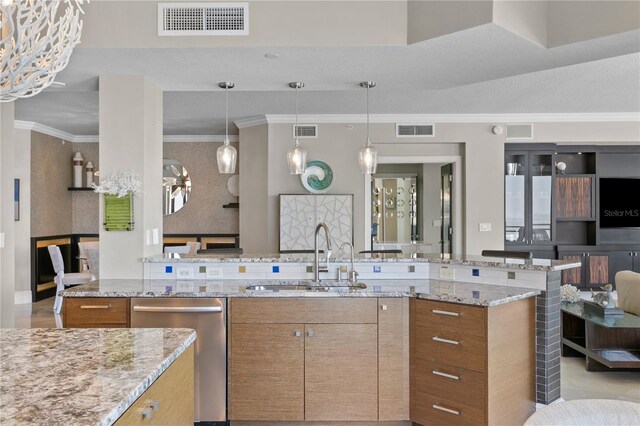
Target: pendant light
{"x": 296, "y": 157}
{"x": 226, "y": 154}
{"x": 368, "y": 155}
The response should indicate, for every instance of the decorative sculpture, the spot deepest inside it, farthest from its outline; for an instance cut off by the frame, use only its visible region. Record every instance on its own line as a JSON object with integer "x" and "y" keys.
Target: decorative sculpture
{"x": 604, "y": 299}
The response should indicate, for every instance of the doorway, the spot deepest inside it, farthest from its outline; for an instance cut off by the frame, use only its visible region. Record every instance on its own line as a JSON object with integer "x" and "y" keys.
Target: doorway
{"x": 437, "y": 208}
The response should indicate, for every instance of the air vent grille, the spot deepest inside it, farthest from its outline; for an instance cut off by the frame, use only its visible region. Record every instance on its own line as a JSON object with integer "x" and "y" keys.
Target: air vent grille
{"x": 519, "y": 131}
{"x": 306, "y": 130}
{"x": 203, "y": 19}
{"x": 413, "y": 130}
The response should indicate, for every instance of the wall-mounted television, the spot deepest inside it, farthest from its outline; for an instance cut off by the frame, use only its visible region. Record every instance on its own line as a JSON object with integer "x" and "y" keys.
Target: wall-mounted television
{"x": 619, "y": 203}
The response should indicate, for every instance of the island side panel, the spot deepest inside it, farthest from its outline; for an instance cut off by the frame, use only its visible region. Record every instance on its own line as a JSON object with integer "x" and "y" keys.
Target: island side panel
{"x": 548, "y": 338}
{"x": 511, "y": 362}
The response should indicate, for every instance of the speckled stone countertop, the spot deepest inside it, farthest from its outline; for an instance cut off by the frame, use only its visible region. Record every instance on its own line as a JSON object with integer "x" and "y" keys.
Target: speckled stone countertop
{"x": 81, "y": 376}
{"x": 490, "y": 262}
{"x": 448, "y": 291}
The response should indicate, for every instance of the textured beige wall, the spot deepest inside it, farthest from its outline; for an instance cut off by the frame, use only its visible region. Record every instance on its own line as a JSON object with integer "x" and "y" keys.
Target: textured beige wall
{"x": 203, "y": 213}
{"x": 51, "y": 175}
{"x": 85, "y": 204}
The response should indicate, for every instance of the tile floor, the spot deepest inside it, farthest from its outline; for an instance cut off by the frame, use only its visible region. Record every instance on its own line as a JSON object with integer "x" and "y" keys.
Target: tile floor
{"x": 577, "y": 383}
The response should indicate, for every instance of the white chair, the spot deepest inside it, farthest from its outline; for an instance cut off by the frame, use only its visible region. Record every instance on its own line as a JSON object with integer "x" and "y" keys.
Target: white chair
{"x": 63, "y": 280}
{"x": 83, "y": 247}
{"x": 93, "y": 261}
{"x": 177, "y": 249}
{"x": 193, "y": 247}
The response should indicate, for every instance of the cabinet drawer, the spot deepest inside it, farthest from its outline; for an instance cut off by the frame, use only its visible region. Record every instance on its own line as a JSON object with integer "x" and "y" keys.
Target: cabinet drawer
{"x": 96, "y": 312}
{"x": 427, "y": 409}
{"x": 300, "y": 310}
{"x": 455, "y": 348}
{"x": 454, "y": 383}
{"x": 466, "y": 319}
{"x": 172, "y": 396}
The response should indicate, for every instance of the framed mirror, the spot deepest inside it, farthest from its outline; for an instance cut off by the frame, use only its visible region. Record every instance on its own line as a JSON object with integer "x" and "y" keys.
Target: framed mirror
{"x": 176, "y": 186}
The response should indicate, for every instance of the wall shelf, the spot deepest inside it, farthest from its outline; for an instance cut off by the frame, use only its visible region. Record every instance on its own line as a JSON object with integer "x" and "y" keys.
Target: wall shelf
{"x": 79, "y": 189}
{"x": 231, "y": 206}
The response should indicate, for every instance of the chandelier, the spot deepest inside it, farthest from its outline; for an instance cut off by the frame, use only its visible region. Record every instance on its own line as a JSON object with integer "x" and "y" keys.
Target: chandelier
{"x": 36, "y": 41}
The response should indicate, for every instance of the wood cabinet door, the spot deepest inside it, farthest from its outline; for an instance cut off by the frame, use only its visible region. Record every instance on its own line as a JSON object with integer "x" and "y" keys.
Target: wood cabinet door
{"x": 266, "y": 372}
{"x": 95, "y": 312}
{"x": 598, "y": 270}
{"x": 572, "y": 276}
{"x": 341, "y": 372}
{"x": 574, "y": 197}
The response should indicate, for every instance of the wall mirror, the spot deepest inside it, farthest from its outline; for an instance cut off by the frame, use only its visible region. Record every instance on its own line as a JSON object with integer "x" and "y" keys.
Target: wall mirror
{"x": 176, "y": 186}
{"x": 394, "y": 209}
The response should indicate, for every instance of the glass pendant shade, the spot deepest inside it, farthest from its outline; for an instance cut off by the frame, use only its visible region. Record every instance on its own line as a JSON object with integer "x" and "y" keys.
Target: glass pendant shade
{"x": 297, "y": 160}
{"x": 296, "y": 157}
{"x": 368, "y": 155}
{"x": 226, "y": 156}
{"x": 368, "y": 159}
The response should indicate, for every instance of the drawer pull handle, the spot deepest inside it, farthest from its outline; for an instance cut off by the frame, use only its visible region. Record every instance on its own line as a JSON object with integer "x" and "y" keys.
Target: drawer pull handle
{"x": 448, "y": 376}
{"x": 451, "y": 314}
{"x": 441, "y": 340}
{"x": 446, "y": 410}
{"x": 95, "y": 306}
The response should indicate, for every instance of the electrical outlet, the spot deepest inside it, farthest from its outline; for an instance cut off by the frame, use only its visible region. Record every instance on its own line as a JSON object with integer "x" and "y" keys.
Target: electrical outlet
{"x": 184, "y": 273}
{"x": 447, "y": 273}
{"x": 214, "y": 272}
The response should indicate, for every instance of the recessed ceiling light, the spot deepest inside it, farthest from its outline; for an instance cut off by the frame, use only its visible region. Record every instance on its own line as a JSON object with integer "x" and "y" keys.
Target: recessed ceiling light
{"x": 272, "y": 55}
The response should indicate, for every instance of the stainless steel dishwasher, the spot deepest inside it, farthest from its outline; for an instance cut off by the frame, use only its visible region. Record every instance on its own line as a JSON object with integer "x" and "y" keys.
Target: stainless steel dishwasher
{"x": 208, "y": 317}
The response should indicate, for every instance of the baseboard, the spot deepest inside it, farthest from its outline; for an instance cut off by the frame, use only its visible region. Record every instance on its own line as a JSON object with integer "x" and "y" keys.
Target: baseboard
{"x": 22, "y": 297}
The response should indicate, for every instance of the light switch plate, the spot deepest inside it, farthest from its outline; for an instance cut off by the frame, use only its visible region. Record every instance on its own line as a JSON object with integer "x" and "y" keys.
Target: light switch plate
{"x": 1, "y": 239}
{"x": 485, "y": 227}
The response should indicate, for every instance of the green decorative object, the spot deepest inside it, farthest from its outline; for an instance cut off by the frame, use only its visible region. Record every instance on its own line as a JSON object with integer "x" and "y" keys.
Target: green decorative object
{"x": 317, "y": 177}
{"x": 118, "y": 212}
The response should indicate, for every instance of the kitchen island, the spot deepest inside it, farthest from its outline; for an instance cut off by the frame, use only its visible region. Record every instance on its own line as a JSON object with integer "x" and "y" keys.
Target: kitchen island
{"x": 95, "y": 377}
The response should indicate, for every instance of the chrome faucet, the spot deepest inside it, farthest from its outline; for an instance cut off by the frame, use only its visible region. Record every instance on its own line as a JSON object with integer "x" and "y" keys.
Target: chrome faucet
{"x": 316, "y": 265}
{"x": 353, "y": 275}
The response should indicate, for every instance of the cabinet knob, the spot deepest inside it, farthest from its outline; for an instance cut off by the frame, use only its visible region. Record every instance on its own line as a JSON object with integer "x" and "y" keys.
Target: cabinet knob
{"x": 297, "y": 333}
{"x": 147, "y": 413}
{"x": 310, "y": 333}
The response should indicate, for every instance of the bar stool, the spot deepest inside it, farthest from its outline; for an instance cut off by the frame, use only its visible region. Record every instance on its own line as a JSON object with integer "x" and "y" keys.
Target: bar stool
{"x": 63, "y": 280}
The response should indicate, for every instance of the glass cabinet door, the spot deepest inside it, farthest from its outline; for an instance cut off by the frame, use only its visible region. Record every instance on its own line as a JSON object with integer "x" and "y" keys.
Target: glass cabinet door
{"x": 515, "y": 204}
{"x": 541, "y": 169}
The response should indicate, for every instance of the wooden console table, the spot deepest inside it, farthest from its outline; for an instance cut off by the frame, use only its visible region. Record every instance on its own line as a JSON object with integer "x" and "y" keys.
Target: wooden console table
{"x": 606, "y": 342}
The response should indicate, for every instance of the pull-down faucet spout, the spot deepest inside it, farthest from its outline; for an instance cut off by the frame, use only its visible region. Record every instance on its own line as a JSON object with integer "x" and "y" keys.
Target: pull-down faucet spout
{"x": 316, "y": 262}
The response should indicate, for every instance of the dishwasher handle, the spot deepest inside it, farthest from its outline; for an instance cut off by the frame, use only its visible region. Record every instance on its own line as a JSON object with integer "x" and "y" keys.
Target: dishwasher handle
{"x": 178, "y": 309}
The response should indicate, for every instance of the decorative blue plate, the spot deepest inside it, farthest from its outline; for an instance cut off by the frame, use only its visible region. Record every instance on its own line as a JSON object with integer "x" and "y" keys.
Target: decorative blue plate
{"x": 317, "y": 177}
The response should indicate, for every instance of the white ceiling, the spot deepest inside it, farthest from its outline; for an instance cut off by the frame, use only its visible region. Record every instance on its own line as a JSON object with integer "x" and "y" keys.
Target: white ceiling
{"x": 482, "y": 70}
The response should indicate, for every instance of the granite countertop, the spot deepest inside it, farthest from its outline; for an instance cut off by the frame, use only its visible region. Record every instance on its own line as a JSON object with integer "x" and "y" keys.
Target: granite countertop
{"x": 81, "y": 376}
{"x": 491, "y": 262}
{"x": 448, "y": 291}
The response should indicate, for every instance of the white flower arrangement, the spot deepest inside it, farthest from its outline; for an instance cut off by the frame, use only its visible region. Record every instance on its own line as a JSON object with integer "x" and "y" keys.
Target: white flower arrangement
{"x": 120, "y": 183}
{"x": 569, "y": 293}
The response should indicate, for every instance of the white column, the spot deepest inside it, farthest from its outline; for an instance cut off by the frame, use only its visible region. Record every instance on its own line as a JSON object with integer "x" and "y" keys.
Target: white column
{"x": 131, "y": 138}
{"x": 7, "y": 226}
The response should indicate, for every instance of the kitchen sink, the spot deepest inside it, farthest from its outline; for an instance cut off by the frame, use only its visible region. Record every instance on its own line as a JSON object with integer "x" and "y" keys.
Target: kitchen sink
{"x": 312, "y": 286}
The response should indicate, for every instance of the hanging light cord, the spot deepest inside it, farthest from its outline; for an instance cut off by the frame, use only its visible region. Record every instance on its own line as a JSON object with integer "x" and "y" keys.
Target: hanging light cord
{"x": 295, "y": 129}
{"x": 226, "y": 129}
{"x": 368, "y": 140}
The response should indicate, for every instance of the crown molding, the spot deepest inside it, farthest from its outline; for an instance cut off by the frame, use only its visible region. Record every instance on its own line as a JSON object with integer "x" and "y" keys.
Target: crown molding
{"x": 254, "y": 121}
{"x": 440, "y": 118}
{"x": 199, "y": 138}
{"x": 50, "y": 131}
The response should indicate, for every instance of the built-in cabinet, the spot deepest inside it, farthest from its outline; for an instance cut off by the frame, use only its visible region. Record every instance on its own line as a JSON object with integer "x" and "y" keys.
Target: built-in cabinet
{"x": 314, "y": 360}
{"x": 551, "y": 207}
{"x": 472, "y": 365}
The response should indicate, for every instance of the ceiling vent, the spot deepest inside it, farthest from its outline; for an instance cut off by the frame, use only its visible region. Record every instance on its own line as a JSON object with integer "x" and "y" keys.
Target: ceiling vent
{"x": 414, "y": 130}
{"x": 520, "y": 131}
{"x": 203, "y": 19}
{"x": 305, "y": 130}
